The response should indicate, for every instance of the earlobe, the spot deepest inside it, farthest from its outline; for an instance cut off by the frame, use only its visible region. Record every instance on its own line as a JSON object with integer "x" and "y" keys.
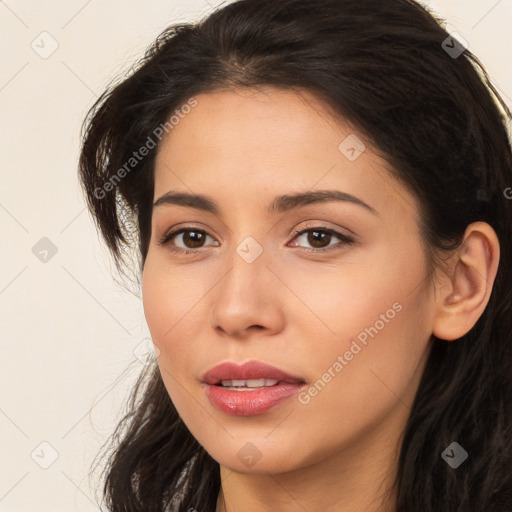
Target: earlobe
{"x": 468, "y": 285}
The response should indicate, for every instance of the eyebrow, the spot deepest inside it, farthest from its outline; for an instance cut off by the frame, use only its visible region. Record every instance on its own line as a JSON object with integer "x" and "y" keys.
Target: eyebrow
{"x": 280, "y": 204}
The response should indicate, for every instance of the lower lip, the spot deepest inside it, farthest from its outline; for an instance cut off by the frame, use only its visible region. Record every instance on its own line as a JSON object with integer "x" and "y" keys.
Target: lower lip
{"x": 250, "y": 403}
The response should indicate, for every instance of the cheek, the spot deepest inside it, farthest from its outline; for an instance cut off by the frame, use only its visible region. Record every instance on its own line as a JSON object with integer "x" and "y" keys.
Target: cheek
{"x": 168, "y": 304}
{"x": 157, "y": 294}
{"x": 375, "y": 364}
{"x": 357, "y": 387}
{"x": 375, "y": 314}
{"x": 171, "y": 297}
{"x": 334, "y": 303}
{"x": 174, "y": 301}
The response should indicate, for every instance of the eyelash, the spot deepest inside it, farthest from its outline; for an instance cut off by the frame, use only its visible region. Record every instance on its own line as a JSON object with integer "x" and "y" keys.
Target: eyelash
{"x": 347, "y": 240}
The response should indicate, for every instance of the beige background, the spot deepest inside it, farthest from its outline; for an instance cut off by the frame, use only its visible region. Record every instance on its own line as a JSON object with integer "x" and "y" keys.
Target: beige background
{"x": 68, "y": 331}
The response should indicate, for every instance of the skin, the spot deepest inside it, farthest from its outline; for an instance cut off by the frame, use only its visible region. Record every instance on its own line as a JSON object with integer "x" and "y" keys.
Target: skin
{"x": 294, "y": 309}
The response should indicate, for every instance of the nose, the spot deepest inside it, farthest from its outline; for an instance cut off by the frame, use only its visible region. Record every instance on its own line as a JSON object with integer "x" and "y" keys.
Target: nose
{"x": 247, "y": 299}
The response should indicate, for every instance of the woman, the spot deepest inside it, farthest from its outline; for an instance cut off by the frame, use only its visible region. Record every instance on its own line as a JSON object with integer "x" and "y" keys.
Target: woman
{"x": 317, "y": 191}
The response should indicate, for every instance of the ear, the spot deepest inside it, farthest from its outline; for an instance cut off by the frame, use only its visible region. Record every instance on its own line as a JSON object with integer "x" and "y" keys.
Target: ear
{"x": 465, "y": 289}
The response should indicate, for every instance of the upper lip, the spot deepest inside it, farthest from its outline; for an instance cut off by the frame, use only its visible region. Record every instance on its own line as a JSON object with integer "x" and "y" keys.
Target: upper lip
{"x": 246, "y": 371}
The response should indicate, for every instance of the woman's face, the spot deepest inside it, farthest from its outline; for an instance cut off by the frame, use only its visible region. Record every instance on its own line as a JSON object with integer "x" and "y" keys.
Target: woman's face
{"x": 352, "y": 322}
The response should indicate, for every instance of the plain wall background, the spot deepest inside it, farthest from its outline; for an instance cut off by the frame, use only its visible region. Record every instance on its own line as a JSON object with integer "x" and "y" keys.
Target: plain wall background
{"x": 68, "y": 331}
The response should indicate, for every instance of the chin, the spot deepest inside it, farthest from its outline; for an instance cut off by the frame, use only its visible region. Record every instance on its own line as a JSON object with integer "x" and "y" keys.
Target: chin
{"x": 259, "y": 455}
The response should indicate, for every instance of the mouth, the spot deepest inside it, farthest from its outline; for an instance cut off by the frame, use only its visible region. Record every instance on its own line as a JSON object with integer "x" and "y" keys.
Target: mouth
{"x": 247, "y": 385}
{"x": 252, "y": 374}
{"x": 249, "y": 389}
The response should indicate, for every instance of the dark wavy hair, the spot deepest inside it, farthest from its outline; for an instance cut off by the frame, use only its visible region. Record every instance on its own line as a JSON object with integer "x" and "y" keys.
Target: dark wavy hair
{"x": 389, "y": 69}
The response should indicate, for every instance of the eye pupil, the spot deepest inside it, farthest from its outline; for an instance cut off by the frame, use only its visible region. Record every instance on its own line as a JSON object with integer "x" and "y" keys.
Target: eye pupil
{"x": 199, "y": 237}
{"x": 313, "y": 239}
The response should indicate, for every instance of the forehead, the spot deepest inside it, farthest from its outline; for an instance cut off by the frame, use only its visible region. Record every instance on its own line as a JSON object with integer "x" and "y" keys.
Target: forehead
{"x": 266, "y": 119}
{"x": 243, "y": 145}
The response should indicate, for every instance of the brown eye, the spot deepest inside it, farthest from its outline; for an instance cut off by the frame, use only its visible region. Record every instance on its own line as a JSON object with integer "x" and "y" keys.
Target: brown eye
{"x": 194, "y": 238}
{"x": 191, "y": 238}
{"x": 320, "y": 237}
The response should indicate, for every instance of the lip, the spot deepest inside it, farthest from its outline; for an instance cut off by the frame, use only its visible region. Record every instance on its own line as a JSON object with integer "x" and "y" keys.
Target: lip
{"x": 249, "y": 370}
{"x": 253, "y": 401}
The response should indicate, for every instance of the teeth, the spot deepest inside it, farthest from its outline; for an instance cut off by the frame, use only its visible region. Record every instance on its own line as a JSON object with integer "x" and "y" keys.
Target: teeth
{"x": 249, "y": 383}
